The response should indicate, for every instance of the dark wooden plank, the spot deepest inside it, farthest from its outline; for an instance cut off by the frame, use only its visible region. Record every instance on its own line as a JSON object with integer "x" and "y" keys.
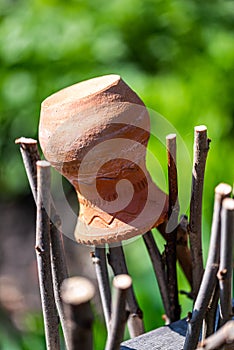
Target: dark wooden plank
{"x": 164, "y": 338}
{"x": 170, "y": 337}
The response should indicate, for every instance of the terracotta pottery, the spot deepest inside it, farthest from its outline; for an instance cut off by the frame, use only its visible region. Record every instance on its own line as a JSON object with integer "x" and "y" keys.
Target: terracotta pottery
{"x": 95, "y": 133}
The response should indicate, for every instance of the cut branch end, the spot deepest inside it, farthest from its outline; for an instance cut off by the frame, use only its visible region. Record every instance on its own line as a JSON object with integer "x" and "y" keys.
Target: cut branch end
{"x": 122, "y": 281}
{"x": 25, "y": 140}
{"x": 77, "y": 290}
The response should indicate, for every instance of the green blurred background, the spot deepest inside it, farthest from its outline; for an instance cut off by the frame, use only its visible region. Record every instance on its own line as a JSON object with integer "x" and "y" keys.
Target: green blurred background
{"x": 177, "y": 55}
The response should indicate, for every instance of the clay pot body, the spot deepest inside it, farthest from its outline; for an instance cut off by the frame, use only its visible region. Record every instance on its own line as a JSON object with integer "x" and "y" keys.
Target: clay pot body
{"x": 95, "y": 133}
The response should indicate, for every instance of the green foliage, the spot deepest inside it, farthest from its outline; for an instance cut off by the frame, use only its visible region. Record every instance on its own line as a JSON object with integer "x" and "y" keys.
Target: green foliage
{"x": 31, "y": 338}
{"x": 178, "y": 55}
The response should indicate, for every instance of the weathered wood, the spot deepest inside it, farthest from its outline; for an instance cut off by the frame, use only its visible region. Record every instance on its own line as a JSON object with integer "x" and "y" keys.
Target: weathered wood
{"x": 165, "y": 338}
{"x": 170, "y": 337}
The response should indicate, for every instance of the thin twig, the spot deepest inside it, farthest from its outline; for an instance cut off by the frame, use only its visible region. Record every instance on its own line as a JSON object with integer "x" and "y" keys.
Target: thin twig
{"x": 119, "y": 315}
{"x": 171, "y": 232}
{"x": 43, "y": 256}
{"x": 159, "y": 271}
{"x": 99, "y": 260}
{"x": 77, "y": 292}
{"x": 201, "y": 147}
{"x": 117, "y": 262}
{"x": 224, "y": 336}
{"x": 209, "y": 278}
{"x": 30, "y": 155}
{"x": 226, "y": 251}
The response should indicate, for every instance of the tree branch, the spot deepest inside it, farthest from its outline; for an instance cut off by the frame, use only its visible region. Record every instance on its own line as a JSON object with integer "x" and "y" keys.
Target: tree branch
{"x": 99, "y": 260}
{"x": 209, "y": 278}
{"x": 172, "y": 183}
{"x": 119, "y": 316}
{"x": 30, "y": 155}
{"x": 224, "y": 336}
{"x": 117, "y": 262}
{"x": 182, "y": 249}
{"x": 171, "y": 230}
{"x": 201, "y": 147}
{"x": 43, "y": 256}
{"x": 159, "y": 271}
{"x": 211, "y": 313}
{"x": 77, "y": 293}
{"x": 226, "y": 263}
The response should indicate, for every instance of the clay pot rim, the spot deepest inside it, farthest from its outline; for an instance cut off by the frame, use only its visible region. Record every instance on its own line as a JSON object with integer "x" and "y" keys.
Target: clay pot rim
{"x": 55, "y": 98}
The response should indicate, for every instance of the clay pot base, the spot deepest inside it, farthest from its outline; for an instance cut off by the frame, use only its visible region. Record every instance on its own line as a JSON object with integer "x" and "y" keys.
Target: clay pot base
{"x": 132, "y": 221}
{"x": 101, "y": 123}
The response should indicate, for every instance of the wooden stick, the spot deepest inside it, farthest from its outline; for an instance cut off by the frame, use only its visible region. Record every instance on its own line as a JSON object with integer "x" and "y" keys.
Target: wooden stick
{"x": 159, "y": 270}
{"x": 99, "y": 260}
{"x": 182, "y": 250}
{"x": 209, "y": 321}
{"x": 30, "y": 155}
{"x": 43, "y": 256}
{"x": 172, "y": 183}
{"x": 119, "y": 316}
{"x": 201, "y": 147}
{"x": 226, "y": 262}
{"x": 224, "y": 336}
{"x": 117, "y": 262}
{"x": 59, "y": 271}
{"x": 171, "y": 232}
{"x": 77, "y": 293}
{"x": 209, "y": 278}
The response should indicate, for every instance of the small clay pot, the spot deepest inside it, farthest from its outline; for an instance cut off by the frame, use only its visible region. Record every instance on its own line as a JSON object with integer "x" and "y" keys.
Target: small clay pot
{"x": 95, "y": 133}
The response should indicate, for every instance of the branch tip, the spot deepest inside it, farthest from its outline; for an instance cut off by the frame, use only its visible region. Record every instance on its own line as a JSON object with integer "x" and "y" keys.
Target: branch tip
{"x": 25, "y": 141}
